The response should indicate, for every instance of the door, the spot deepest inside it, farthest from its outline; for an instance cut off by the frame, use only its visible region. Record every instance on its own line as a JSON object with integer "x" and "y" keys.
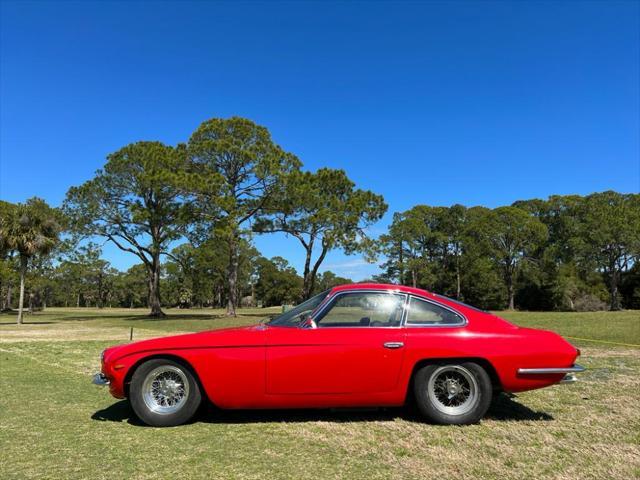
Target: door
{"x": 357, "y": 347}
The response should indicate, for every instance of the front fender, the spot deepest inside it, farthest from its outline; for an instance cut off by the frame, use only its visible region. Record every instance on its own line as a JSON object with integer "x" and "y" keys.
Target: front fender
{"x": 229, "y": 376}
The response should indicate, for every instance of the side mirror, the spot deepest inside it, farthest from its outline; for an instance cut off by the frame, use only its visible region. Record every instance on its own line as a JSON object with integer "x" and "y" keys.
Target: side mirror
{"x": 308, "y": 323}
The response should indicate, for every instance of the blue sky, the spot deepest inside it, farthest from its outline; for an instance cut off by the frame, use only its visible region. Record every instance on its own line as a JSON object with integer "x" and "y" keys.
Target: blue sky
{"x": 479, "y": 103}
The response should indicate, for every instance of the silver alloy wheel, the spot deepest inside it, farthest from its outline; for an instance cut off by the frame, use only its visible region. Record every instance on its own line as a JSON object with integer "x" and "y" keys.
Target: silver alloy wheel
{"x": 165, "y": 389}
{"x": 453, "y": 390}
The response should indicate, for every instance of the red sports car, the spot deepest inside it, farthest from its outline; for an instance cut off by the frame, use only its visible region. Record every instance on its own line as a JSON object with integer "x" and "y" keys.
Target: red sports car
{"x": 353, "y": 346}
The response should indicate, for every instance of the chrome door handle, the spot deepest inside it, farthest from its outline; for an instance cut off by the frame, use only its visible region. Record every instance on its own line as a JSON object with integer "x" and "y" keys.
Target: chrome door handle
{"x": 393, "y": 345}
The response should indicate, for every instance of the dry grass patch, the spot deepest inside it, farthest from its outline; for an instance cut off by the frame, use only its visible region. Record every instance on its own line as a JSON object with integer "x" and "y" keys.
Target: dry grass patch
{"x": 65, "y": 332}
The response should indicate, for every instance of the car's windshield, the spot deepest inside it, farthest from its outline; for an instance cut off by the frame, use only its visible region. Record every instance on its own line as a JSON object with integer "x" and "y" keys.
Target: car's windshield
{"x": 294, "y": 316}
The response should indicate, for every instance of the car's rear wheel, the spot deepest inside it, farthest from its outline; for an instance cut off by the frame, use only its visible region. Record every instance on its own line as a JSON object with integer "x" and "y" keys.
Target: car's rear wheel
{"x": 164, "y": 393}
{"x": 453, "y": 393}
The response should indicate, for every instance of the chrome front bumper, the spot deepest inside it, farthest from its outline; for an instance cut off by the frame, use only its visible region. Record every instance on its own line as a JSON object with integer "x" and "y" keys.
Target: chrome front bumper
{"x": 100, "y": 379}
{"x": 569, "y": 372}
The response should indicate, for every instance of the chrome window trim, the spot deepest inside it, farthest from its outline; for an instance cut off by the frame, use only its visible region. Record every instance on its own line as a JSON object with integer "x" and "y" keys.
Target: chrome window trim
{"x": 408, "y": 324}
{"x": 330, "y": 301}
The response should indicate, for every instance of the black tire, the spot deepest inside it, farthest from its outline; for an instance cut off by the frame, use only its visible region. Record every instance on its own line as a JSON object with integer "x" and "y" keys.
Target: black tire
{"x": 433, "y": 385}
{"x": 150, "y": 407}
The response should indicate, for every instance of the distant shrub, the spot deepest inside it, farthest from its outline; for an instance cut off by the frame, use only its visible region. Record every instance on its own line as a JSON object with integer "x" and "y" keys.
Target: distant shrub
{"x": 588, "y": 303}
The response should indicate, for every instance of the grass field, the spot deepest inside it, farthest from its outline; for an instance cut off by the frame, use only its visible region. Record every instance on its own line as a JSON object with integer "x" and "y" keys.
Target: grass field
{"x": 55, "y": 424}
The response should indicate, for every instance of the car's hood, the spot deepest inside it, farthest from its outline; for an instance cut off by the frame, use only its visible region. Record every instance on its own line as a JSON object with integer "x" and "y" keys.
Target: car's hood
{"x": 225, "y": 337}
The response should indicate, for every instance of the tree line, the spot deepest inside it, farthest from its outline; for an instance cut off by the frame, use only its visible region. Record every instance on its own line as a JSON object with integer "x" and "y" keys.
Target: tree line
{"x": 563, "y": 253}
{"x": 188, "y": 214}
{"x": 227, "y": 182}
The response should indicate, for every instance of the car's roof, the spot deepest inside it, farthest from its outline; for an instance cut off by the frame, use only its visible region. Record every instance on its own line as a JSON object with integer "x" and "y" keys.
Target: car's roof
{"x": 383, "y": 286}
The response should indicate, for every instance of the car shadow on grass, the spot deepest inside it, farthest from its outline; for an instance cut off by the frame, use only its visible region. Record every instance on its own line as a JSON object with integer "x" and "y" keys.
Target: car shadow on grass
{"x": 503, "y": 408}
{"x": 118, "y": 412}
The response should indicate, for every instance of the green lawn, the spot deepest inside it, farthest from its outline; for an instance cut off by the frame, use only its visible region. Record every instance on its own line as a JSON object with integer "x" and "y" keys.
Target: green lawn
{"x": 617, "y": 327}
{"x": 55, "y": 424}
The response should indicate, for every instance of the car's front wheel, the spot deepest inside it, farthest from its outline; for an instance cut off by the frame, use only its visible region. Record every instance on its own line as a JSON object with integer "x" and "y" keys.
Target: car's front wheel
{"x": 453, "y": 394}
{"x": 164, "y": 393}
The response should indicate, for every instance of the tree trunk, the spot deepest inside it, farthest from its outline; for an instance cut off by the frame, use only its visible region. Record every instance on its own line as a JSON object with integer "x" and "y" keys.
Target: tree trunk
{"x": 23, "y": 271}
{"x": 458, "y": 287}
{"x": 613, "y": 290}
{"x": 78, "y": 300}
{"x": 401, "y": 264}
{"x": 509, "y": 271}
{"x": 9, "y": 299}
{"x": 154, "y": 287}
{"x": 232, "y": 274}
{"x": 253, "y": 294}
{"x": 512, "y": 305}
{"x": 310, "y": 275}
{"x": 308, "y": 282}
{"x": 99, "y": 302}
{"x": 414, "y": 278}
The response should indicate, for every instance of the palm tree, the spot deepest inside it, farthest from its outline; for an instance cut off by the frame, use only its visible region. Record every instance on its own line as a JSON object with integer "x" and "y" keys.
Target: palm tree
{"x": 29, "y": 229}
{"x": 5, "y": 253}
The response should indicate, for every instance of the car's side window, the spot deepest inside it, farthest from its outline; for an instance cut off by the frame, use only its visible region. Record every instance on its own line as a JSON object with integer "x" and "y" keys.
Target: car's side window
{"x": 363, "y": 309}
{"x": 422, "y": 312}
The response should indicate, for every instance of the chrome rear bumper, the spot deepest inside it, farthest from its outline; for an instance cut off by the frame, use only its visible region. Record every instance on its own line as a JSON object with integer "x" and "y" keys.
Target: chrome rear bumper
{"x": 569, "y": 378}
{"x": 100, "y": 379}
{"x": 569, "y": 372}
{"x": 544, "y": 371}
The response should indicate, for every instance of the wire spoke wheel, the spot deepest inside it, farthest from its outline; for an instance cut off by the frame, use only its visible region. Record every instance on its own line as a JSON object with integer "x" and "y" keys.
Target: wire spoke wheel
{"x": 453, "y": 390}
{"x": 165, "y": 389}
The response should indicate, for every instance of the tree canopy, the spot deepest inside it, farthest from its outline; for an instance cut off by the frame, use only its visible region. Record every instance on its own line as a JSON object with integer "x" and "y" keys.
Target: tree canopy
{"x": 562, "y": 253}
{"x": 323, "y": 211}
{"x": 236, "y": 167}
{"x": 136, "y": 203}
{"x": 29, "y": 229}
{"x": 609, "y": 236}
